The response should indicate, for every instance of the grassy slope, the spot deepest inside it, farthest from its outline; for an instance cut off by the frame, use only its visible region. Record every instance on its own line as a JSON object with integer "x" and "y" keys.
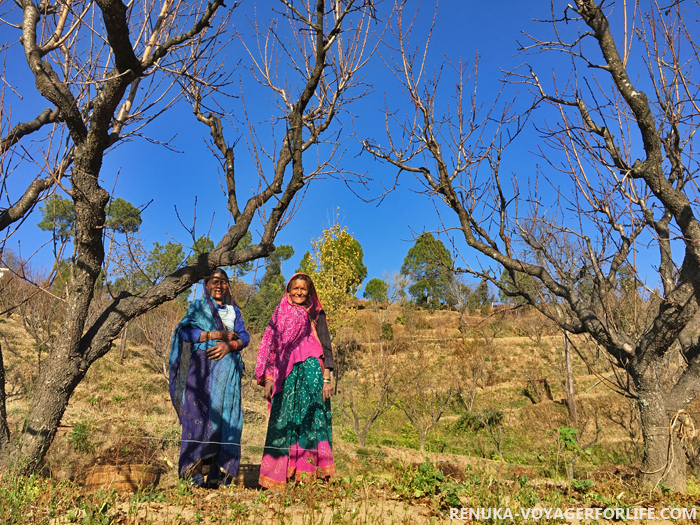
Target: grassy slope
{"x": 122, "y": 410}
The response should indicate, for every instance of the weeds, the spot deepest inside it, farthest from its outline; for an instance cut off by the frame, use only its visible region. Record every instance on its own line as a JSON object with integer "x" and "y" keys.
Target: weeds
{"x": 80, "y": 437}
{"x": 17, "y": 494}
{"x": 357, "y": 496}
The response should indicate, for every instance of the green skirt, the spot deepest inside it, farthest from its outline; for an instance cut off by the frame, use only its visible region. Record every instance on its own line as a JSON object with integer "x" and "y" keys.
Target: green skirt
{"x": 299, "y": 433}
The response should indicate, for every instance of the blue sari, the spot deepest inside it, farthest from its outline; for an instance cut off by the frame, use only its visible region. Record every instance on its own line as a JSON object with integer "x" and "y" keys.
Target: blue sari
{"x": 206, "y": 393}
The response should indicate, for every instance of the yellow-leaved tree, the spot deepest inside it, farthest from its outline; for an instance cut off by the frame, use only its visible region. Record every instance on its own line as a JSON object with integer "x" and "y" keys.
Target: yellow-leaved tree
{"x": 335, "y": 265}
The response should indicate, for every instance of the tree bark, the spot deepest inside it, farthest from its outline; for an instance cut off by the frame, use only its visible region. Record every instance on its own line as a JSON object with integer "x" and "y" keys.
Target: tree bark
{"x": 362, "y": 438}
{"x": 122, "y": 342}
{"x": 664, "y": 457}
{"x": 57, "y": 382}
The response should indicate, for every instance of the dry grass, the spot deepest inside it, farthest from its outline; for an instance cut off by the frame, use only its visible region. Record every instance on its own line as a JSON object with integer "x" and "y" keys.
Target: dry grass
{"x": 128, "y": 400}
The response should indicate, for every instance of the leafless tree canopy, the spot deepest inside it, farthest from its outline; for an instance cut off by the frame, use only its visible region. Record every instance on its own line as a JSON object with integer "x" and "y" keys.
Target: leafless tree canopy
{"x": 615, "y": 104}
{"x": 105, "y": 69}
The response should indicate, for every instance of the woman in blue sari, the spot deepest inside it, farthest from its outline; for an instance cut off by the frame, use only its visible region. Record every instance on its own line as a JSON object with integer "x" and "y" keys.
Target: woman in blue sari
{"x": 205, "y": 383}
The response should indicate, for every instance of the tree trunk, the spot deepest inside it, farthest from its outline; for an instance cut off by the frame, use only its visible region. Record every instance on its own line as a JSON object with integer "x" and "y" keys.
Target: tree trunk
{"x": 664, "y": 457}
{"x": 361, "y": 438}
{"x": 55, "y": 385}
{"x": 423, "y": 436}
{"x": 122, "y": 342}
{"x": 356, "y": 423}
{"x": 4, "y": 428}
{"x": 570, "y": 470}
{"x": 569, "y": 383}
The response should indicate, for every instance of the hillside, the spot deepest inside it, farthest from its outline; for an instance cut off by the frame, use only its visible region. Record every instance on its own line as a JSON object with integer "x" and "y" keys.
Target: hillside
{"x": 503, "y": 366}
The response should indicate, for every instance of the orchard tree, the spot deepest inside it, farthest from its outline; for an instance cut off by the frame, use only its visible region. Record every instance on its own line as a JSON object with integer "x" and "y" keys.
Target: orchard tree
{"x": 105, "y": 70}
{"x": 428, "y": 265}
{"x": 367, "y": 388}
{"x": 204, "y": 244}
{"x": 617, "y": 119}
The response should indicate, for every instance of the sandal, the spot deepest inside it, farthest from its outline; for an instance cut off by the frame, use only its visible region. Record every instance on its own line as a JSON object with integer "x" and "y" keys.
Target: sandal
{"x": 213, "y": 479}
{"x": 198, "y": 480}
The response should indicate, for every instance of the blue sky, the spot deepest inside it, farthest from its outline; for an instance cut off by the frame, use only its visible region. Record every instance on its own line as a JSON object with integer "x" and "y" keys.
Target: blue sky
{"x": 386, "y": 231}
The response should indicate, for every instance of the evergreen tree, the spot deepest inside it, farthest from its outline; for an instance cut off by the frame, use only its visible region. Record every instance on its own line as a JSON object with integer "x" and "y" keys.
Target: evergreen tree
{"x": 270, "y": 289}
{"x": 123, "y": 217}
{"x": 376, "y": 290}
{"x": 428, "y": 265}
{"x": 58, "y": 216}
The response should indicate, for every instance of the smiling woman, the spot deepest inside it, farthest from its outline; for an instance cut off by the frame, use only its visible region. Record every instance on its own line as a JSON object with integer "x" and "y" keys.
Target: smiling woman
{"x": 205, "y": 383}
{"x": 299, "y": 291}
{"x": 294, "y": 365}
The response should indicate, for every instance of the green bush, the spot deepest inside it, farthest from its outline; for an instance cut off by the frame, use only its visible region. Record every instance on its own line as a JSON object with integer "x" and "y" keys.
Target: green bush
{"x": 428, "y": 480}
{"x": 80, "y": 438}
{"x": 387, "y": 332}
{"x": 476, "y": 420}
{"x": 422, "y": 324}
{"x": 582, "y": 485}
{"x": 348, "y": 436}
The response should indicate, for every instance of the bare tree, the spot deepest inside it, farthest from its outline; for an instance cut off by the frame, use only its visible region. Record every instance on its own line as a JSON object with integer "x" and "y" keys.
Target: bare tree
{"x": 474, "y": 371}
{"x": 426, "y": 386}
{"x": 395, "y": 294}
{"x": 157, "y": 327}
{"x": 617, "y": 141}
{"x": 106, "y": 69}
{"x": 492, "y": 419}
{"x": 460, "y": 291}
{"x": 368, "y": 391}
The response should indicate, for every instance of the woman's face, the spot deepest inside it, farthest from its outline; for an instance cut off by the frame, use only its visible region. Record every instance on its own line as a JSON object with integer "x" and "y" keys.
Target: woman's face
{"x": 216, "y": 286}
{"x": 299, "y": 291}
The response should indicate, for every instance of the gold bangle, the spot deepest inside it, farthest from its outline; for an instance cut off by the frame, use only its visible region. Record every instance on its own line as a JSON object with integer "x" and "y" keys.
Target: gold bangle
{"x": 327, "y": 380}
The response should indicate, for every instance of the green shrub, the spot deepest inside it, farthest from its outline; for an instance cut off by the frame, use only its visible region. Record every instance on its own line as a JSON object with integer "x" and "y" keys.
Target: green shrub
{"x": 422, "y": 324}
{"x": 582, "y": 485}
{"x": 477, "y": 419}
{"x": 387, "y": 332}
{"x": 348, "y": 436}
{"x": 428, "y": 480}
{"x": 80, "y": 438}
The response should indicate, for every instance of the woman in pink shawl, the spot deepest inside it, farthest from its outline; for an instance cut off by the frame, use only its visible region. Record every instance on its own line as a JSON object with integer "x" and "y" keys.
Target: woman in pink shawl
{"x": 294, "y": 365}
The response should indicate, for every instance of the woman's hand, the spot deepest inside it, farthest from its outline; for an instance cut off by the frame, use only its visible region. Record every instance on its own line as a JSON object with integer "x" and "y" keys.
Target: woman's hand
{"x": 219, "y": 335}
{"x": 269, "y": 387}
{"x": 220, "y": 349}
{"x": 327, "y": 391}
{"x": 228, "y": 336}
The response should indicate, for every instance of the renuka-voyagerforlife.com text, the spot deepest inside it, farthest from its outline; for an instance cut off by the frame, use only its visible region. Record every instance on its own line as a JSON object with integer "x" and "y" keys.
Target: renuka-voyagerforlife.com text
{"x": 617, "y": 513}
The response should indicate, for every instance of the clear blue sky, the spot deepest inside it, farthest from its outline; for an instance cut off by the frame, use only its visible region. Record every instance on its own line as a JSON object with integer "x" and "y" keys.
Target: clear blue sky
{"x": 173, "y": 179}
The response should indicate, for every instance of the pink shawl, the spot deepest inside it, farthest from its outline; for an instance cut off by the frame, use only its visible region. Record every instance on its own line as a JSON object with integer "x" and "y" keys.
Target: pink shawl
{"x": 289, "y": 338}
